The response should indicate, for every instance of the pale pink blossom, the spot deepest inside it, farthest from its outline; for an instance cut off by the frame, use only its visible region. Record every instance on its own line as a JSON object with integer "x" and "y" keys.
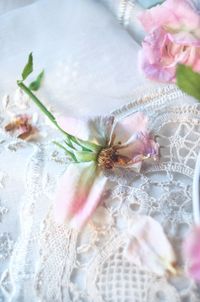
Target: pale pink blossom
{"x": 192, "y": 253}
{"x": 173, "y": 36}
{"x": 125, "y": 144}
{"x": 149, "y": 247}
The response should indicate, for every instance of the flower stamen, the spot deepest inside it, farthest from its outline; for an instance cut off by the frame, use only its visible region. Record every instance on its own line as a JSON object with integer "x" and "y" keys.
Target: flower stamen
{"x": 107, "y": 158}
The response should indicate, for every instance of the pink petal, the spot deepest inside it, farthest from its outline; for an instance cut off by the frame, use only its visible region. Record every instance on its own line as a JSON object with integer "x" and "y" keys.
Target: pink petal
{"x": 196, "y": 65}
{"x": 152, "y": 18}
{"x": 156, "y": 71}
{"x": 191, "y": 250}
{"x": 192, "y": 244}
{"x": 176, "y": 14}
{"x": 147, "y": 146}
{"x": 194, "y": 271}
{"x": 73, "y": 189}
{"x": 186, "y": 38}
{"x": 153, "y": 59}
{"x": 154, "y": 44}
{"x": 143, "y": 146}
{"x": 128, "y": 127}
{"x": 93, "y": 200}
{"x": 149, "y": 247}
{"x": 96, "y": 130}
{"x": 78, "y": 194}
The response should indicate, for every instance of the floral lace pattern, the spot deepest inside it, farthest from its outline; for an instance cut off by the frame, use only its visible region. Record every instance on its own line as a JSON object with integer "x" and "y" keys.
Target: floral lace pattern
{"x": 53, "y": 263}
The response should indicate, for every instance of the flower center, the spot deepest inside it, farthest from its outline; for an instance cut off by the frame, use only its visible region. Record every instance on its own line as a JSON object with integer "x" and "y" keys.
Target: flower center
{"x": 107, "y": 158}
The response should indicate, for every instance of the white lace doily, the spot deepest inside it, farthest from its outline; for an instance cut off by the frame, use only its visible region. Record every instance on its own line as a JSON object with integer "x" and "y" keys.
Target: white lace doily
{"x": 53, "y": 263}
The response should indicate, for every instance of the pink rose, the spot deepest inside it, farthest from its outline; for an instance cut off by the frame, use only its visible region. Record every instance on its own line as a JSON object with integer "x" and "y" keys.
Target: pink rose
{"x": 173, "y": 37}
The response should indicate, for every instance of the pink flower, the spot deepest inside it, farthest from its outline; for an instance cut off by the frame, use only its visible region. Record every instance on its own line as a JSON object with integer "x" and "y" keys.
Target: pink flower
{"x": 149, "y": 247}
{"x": 192, "y": 253}
{"x": 117, "y": 144}
{"x": 173, "y": 37}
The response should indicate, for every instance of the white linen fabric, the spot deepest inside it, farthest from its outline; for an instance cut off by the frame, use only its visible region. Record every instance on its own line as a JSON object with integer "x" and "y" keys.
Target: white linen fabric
{"x": 90, "y": 65}
{"x": 71, "y": 41}
{"x": 8, "y": 5}
{"x": 127, "y": 12}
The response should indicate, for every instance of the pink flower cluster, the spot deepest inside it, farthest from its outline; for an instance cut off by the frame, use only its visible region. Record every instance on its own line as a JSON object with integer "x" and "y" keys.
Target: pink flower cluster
{"x": 173, "y": 37}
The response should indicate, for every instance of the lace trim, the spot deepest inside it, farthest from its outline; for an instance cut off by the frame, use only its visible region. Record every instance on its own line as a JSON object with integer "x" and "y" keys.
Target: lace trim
{"x": 54, "y": 263}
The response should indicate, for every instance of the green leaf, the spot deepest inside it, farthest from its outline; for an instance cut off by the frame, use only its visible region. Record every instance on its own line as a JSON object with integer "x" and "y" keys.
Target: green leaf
{"x": 68, "y": 141}
{"x": 28, "y": 68}
{"x": 188, "y": 80}
{"x": 69, "y": 147}
{"x": 35, "y": 85}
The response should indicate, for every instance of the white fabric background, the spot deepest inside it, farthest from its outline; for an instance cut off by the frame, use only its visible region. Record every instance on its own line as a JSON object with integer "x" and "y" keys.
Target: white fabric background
{"x": 90, "y": 65}
{"x": 8, "y": 5}
{"x": 86, "y": 54}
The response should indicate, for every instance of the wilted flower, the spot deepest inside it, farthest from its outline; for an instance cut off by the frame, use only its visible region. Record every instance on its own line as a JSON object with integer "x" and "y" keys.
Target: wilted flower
{"x": 92, "y": 146}
{"x": 119, "y": 143}
{"x": 191, "y": 249}
{"x": 124, "y": 144}
{"x": 22, "y": 125}
{"x": 149, "y": 247}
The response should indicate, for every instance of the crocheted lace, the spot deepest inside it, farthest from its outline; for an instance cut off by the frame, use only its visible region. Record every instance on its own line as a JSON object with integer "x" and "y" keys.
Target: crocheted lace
{"x": 54, "y": 263}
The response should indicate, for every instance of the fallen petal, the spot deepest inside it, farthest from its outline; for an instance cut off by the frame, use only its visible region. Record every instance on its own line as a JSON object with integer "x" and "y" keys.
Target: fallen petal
{"x": 22, "y": 126}
{"x": 28, "y": 134}
{"x": 102, "y": 217}
{"x": 78, "y": 194}
{"x": 191, "y": 250}
{"x": 149, "y": 247}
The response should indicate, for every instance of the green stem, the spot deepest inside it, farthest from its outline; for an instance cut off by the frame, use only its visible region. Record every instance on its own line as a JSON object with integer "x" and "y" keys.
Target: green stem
{"x": 87, "y": 146}
{"x": 40, "y": 105}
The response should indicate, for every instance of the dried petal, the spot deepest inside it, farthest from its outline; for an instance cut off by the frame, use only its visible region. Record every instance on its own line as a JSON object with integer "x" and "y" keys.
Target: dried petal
{"x": 30, "y": 133}
{"x": 21, "y": 125}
